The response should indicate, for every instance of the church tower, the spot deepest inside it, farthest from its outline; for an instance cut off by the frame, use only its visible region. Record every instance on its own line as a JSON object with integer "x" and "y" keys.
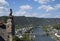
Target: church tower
{"x": 10, "y": 27}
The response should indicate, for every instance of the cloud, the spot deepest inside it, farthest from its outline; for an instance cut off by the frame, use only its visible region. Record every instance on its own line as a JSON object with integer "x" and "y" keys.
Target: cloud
{"x": 20, "y": 13}
{"x": 3, "y": 3}
{"x": 31, "y": 15}
{"x": 25, "y": 7}
{"x": 3, "y": 7}
{"x": 3, "y": 11}
{"x": 25, "y": 13}
{"x": 45, "y": 15}
{"x": 43, "y": 1}
{"x": 57, "y": 6}
{"x": 46, "y": 7}
{"x": 23, "y": 10}
{"x": 57, "y": 15}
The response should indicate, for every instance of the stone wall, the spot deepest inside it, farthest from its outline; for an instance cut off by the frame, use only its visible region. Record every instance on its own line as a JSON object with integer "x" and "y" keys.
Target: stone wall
{"x": 7, "y": 30}
{"x": 3, "y": 32}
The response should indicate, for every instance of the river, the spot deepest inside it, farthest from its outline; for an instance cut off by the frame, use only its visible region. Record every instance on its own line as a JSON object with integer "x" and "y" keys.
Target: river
{"x": 39, "y": 35}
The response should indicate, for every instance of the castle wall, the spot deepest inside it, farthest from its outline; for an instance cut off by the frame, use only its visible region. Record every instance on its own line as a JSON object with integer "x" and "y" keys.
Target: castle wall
{"x": 7, "y": 30}
{"x": 3, "y": 32}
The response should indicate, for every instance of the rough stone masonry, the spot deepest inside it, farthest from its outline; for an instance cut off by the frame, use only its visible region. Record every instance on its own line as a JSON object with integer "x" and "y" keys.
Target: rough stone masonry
{"x": 7, "y": 30}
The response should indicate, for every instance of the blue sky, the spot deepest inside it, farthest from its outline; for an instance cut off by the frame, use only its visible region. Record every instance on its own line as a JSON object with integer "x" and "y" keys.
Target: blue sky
{"x": 31, "y": 8}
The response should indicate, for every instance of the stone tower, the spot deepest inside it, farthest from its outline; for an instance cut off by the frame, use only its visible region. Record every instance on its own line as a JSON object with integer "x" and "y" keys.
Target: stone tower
{"x": 7, "y": 30}
{"x": 10, "y": 27}
{"x": 3, "y": 34}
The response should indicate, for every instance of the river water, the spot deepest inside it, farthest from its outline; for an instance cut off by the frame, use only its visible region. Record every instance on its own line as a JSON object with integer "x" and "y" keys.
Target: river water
{"x": 39, "y": 35}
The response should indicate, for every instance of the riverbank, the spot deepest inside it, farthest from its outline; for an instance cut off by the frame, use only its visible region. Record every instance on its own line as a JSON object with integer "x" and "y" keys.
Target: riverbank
{"x": 40, "y": 36}
{"x": 25, "y": 34}
{"x": 51, "y": 32}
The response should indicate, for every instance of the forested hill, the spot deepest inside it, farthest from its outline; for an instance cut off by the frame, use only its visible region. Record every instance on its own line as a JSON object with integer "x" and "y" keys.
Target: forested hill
{"x": 22, "y": 20}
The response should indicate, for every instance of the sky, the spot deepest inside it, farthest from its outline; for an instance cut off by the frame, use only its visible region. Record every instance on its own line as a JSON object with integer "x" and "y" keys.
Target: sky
{"x": 31, "y": 8}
